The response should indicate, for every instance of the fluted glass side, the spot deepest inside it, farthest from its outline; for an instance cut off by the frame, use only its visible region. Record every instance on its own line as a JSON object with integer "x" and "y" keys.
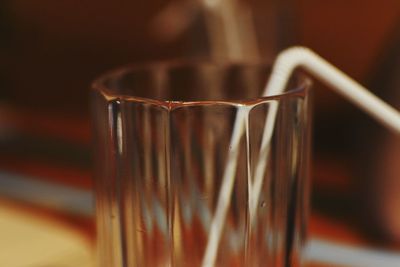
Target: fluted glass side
{"x": 163, "y": 154}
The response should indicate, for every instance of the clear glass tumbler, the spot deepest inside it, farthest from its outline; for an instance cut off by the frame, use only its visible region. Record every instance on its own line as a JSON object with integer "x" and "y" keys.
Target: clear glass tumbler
{"x": 184, "y": 176}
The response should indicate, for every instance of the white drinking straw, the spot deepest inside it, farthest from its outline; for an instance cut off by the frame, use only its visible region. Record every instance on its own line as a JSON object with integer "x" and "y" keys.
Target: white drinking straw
{"x": 295, "y": 57}
{"x": 284, "y": 66}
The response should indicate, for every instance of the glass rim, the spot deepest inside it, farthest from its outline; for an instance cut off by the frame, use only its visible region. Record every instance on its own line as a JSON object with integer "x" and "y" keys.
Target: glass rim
{"x": 300, "y": 90}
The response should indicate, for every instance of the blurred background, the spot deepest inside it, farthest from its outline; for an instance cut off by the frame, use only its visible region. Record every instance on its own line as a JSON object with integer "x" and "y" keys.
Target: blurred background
{"x": 50, "y": 51}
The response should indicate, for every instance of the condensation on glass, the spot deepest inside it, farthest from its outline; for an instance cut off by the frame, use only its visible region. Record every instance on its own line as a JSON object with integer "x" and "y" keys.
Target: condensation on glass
{"x": 162, "y": 142}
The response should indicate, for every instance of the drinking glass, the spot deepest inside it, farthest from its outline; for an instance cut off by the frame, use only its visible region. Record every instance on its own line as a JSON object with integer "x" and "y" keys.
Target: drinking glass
{"x": 164, "y": 154}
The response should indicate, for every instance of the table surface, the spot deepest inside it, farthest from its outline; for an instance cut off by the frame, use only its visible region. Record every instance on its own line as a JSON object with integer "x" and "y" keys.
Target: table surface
{"x": 49, "y": 238}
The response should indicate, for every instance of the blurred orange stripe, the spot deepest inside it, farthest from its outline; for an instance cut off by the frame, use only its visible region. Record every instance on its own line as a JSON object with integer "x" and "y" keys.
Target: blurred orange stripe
{"x": 45, "y": 123}
{"x": 328, "y": 228}
{"x": 66, "y": 175}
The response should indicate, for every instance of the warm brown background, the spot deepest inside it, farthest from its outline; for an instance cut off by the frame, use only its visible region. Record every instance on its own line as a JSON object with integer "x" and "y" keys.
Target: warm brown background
{"x": 50, "y": 51}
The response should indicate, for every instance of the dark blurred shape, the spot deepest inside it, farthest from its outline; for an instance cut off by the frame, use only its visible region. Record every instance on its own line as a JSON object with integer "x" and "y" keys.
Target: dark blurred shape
{"x": 55, "y": 48}
{"x": 380, "y": 167}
